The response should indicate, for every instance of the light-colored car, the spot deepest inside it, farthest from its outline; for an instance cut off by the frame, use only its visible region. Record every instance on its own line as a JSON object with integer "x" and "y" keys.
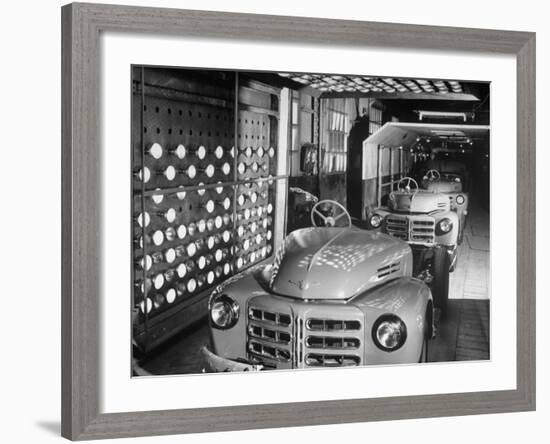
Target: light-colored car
{"x": 451, "y": 184}
{"x": 334, "y": 296}
{"x": 424, "y": 219}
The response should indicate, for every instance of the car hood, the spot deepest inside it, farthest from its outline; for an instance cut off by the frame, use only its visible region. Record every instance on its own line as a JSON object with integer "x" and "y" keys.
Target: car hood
{"x": 337, "y": 263}
{"x": 420, "y": 201}
{"x": 443, "y": 186}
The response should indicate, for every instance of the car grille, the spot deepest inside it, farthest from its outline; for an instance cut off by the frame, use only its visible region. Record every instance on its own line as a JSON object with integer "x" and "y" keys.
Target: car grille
{"x": 293, "y": 340}
{"x": 415, "y": 229}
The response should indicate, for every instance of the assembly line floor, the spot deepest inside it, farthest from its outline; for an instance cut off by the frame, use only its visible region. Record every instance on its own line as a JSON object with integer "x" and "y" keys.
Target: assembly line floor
{"x": 463, "y": 335}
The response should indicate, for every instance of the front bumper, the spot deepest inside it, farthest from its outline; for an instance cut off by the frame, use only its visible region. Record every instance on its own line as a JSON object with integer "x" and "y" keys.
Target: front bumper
{"x": 215, "y": 363}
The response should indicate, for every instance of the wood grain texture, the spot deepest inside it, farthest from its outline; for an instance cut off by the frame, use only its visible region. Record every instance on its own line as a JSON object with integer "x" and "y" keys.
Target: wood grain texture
{"x": 81, "y": 230}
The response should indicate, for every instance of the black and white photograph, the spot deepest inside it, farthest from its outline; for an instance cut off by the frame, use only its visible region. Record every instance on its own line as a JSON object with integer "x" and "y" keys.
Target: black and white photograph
{"x": 286, "y": 220}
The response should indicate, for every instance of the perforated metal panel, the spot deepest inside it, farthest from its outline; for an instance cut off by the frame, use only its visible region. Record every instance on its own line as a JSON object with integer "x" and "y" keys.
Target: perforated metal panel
{"x": 202, "y": 210}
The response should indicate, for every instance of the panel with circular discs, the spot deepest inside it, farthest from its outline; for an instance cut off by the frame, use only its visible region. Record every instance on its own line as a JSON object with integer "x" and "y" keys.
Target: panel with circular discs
{"x": 202, "y": 210}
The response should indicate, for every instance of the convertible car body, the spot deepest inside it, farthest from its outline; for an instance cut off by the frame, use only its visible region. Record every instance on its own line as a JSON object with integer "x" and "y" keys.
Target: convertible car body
{"x": 452, "y": 185}
{"x": 333, "y": 297}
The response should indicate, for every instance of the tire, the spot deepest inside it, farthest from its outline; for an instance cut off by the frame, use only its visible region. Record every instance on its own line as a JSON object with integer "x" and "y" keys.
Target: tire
{"x": 440, "y": 283}
{"x": 424, "y": 352}
{"x": 460, "y": 236}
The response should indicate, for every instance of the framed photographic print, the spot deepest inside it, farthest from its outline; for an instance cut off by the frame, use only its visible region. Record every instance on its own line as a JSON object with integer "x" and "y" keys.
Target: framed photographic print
{"x": 278, "y": 221}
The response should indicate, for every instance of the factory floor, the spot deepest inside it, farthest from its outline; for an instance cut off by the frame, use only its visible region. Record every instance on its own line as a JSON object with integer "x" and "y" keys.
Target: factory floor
{"x": 463, "y": 335}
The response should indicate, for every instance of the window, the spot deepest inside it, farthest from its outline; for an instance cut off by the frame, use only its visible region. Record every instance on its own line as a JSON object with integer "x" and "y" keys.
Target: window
{"x": 335, "y": 154}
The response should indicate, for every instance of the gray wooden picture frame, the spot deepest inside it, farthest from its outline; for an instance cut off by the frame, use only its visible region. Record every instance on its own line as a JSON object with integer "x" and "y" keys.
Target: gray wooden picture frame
{"x": 81, "y": 173}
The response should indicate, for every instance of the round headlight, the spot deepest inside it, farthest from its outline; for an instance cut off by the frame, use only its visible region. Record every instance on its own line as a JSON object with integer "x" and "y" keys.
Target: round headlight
{"x": 459, "y": 199}
{"x": 389, "y": 332}
{"x": 224, "y": 312}
{"x": 375, "y": 220}
{"x": 444, "y": 226}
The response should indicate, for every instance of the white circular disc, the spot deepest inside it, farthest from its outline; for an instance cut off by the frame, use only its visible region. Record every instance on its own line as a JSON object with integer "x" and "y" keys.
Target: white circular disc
{"x": 226, "y": 236}
{"x": 149, "y": 305}
{"x": 182, "y": 231}
{"x": 201, "y": 226}
{"x": 255, "y": 167}
{"x": 210, "y": 242}
{"x": 248, "y": 152}
{"x": 170, "y": 295}
{"x": 148, "y": 262}
{"x": 170, "y": 172}
{"x": 181, "y": 195}
{"x": 191, "y": 171}
{"x": 201, "y": 152}
{"x": 158, "y": 281}
{"x": 218, "y": 255}
{"x": 141, "y": 217}
{"x": 258, "y": 239}
{"x": 191, "y": 249}
{"x": 191, "y": 229}
{"x": 261, "y": 152}
{"x": 226, "y": 269}
{"x": 240, "y": 199}
{"x": 268, "y": 235}
{"x": 210, "y": 224}
{"x": 181, "y": 270}
{"x": 252, "y": 257}
{"x": 241, "y": 168}
{"x": 226, "y": 168}
{"x": 253, "y": 227}
{"x": 226, "y": 218}
{"x": 157, "y": 198}
{"x": 210, "y": 277}
{"x": 210, "y": 206}
{"x": 180, "y": 151}
{"x": 201, "y": 262}
{"x": 219, "y": 190}
{"x": 240, "y": 231}
{"x": 156, "y": 151}
{"x": 264, "y": 223}
{"x": 247, "y": 214}
{"x": 170, "y": 255}
{"x": 253, "y": 197}
{"x": 239, "y": 262}
{"x": 146, "y": 175}
{"x": 218, "y": 222}
{"x": 269, "y": 208}
{"x": 210, "y": 170}
{"x": 227, "y": 203}
{"x": 170, "y": 215}
{"x": 218, "y": 152}
{"x": 191, "y": 285}
{"x": 158, "y": 238}
{"x": 260, "y": 211}
{"x": 271, "y": 152}
{"x": 246, "y": 244}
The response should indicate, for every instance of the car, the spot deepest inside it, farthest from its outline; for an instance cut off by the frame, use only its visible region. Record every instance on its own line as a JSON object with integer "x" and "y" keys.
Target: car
{"x": 424, "y": 219}
{"x": 335, "y": 295}
{"x": 451, "y": 184}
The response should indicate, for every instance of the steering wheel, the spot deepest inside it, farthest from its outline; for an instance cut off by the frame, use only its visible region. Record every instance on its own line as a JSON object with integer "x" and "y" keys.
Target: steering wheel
{"x": 333, "y": 212}
{"x": 432, "y": 175}
{"x": 405, "y": 184}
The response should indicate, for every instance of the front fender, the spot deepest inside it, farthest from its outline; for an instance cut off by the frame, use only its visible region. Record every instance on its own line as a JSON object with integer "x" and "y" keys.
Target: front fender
{"x": 240, "y": 288}
{"x": 411, "y": 300}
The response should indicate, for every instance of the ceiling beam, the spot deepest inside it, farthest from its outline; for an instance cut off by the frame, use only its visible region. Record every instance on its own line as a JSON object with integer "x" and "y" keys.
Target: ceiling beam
{"x": 401, "y": 95}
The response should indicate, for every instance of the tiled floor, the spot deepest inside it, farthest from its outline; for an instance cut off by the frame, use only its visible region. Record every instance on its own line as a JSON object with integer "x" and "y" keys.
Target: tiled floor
{"x": 464, "y": 335}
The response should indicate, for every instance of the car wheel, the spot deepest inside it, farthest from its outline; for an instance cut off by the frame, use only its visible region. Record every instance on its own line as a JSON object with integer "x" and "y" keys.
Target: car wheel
{"x": 424, "y": 352}
{"x": 460, "y": 234}
{"x": 440, "y": 283}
